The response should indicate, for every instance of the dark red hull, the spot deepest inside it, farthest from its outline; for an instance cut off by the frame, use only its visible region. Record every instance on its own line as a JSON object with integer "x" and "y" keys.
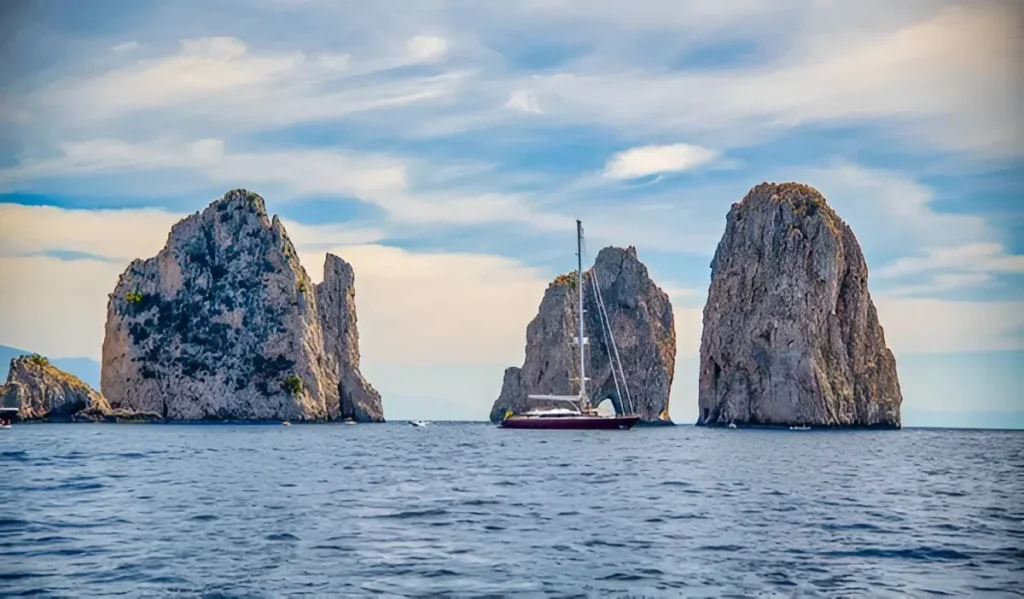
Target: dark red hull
{"x": 573, "y": 423}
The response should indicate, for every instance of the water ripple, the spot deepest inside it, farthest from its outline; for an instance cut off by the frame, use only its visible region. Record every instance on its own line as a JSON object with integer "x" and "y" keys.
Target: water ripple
{"x": 470, "y": 510}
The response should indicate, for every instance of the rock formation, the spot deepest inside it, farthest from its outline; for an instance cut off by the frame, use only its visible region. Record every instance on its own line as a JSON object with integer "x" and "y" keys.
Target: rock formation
{"x": 791, "y": 336}
{"x": 336, "y": 303}
{"x": 41, "y": 391}
{"x": 225, "y": 324}
{"x": 641, "y": 321}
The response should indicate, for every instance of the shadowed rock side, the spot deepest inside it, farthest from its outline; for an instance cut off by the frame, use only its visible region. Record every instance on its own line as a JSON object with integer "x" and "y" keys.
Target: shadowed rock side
{"x": 791, "y": 336}
{"x": 41, "y": 391}
{"x": 225, "y": 324}
{"x": 641, "y": 320}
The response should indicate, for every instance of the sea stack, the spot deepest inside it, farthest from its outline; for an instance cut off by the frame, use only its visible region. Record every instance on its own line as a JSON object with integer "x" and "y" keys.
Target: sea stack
{"x": 41, "y": 391}
{"x": 791, "y": 336}
{"x": 225, "y": 324}
{"x": 643, "y": 327}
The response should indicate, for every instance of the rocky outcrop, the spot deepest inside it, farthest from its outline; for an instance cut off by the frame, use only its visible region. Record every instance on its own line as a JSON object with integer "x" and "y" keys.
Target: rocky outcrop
{"x": 41, "y": 391}
{"x": 225, "y": 324}
{"x": 643, "y": 327}
{"x": 115, "y": 416}
{"x": 336, "y": 303}
{"x": 791, "y": 336}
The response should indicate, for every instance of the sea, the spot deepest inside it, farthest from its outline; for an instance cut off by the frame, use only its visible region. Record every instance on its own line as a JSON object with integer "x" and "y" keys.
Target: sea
{"x": 471, "y": 510}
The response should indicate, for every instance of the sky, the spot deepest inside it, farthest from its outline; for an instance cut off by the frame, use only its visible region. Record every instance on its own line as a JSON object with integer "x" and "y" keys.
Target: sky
{"x": 445, "y": 148}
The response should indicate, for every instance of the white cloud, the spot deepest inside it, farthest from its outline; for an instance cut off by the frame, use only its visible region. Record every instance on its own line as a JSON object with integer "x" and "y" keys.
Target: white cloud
{"x": 208, "y": 149}
{"x": 120, "y": 235}
{"x": 925, "y": 325}
{"x": 124, "y": 46}
{"x": 310, "y": 237}
{"x": 975, "y": 258}
{"x": 652, "y": 160}
{"x": 335, "y": 62}
{"x": 941, "y": 283}
{"x": 948, "y": 80}
{"x": 302, "y": 171}
{"x": 55, "y": 307}
{"x": 123, "y": 235}
{"x": 431, "y": 308}
{"x": 427, "y": 48}
{"x": 967, "y": 266}
{"x": 523, "y": 100}
{"x": 889, "y": 211}
{"x": 219, "y": 84}
{"x": 668, "y": 226}
{"x": 414, "y": 308}
{"x": 202, "y": 69}
{"x": 932, "y": 74}
{"x": 380, "y": 180}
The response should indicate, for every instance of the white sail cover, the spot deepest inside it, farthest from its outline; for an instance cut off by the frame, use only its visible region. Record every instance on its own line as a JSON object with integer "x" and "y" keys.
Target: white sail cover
{"x": 606, "y": 408}
{"x": 552, "y": 412}
{"x": 572, "y": 398}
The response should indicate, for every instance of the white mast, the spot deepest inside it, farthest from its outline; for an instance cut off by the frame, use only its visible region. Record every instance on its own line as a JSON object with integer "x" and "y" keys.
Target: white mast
{"x": 579, "y": 282}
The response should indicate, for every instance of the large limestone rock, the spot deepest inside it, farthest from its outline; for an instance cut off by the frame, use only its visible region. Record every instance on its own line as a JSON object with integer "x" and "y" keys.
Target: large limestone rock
{"x": 41, "y": 391}
{"x": 336, "y": 303}
{"x": 225, "y": 324}
{"x": 641, "y": 320}
{"x": 791, "y": 336}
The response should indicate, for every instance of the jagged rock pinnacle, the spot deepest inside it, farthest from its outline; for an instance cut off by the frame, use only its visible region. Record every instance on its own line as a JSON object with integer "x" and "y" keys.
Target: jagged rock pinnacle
{"x": 224, "y": 323}
{"x": 791, "y": 336}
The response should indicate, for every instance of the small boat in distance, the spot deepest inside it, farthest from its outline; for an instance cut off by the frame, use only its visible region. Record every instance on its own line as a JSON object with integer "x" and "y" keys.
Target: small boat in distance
{"x": 800, "y": 428}
{"x": 286, "y": 423}
{"x": 418, "y": 423}
{"x": 575, "y": 412}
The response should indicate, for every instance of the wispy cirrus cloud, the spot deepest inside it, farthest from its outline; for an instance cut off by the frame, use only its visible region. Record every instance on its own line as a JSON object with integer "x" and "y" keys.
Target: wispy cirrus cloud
{"x": 931, "y": 74}
{"x": 223, "y": 83}
{"x": 948, "y": 79}
{"x": 890, "y": 209}
{"x": 379, "y": 180}
{"x": 976, "y": 258}
{"x": 967, "y": 266}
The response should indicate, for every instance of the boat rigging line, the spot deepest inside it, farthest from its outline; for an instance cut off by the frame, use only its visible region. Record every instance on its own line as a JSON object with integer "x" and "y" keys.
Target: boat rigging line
{"x": 606, "y": 320}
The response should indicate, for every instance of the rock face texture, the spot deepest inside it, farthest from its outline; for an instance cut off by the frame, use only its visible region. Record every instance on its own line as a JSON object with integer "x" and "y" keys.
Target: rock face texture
{"x": 643, "y": 326}
{"x": 225, "y": 324}
{"x": 336, "y": 304}
{"x": 43, "y": 392}
{"x": 791, "y": 336}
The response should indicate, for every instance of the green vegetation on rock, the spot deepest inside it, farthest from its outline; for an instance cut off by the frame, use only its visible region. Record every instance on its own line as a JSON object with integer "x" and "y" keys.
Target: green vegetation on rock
{"x": 38, "y": 360}
{"x": 292, "y": 384}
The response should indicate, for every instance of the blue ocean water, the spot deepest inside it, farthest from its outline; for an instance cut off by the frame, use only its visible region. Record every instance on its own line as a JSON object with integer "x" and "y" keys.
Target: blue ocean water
{"x": 469, "y": 510}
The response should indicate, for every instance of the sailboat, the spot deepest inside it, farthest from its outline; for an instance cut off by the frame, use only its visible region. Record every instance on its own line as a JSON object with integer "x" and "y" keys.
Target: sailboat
{"x": 575, "y": 412}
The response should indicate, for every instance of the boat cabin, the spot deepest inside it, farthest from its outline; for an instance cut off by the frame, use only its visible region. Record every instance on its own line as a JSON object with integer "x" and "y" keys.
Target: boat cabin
{"x": 8, "y": 415}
